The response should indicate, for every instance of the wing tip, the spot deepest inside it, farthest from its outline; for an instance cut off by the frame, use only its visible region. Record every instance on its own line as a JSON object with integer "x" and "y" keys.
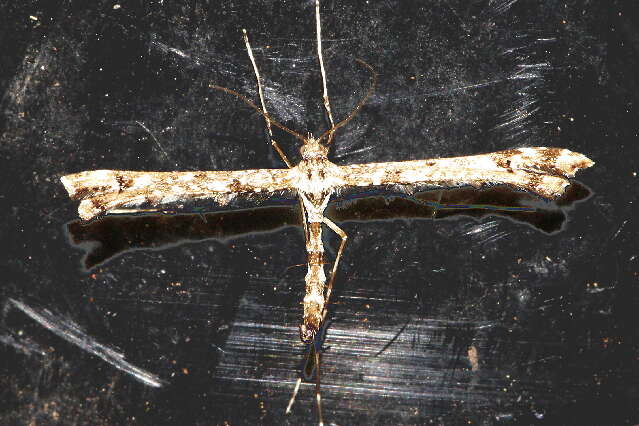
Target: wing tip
{"x": 67, "y": 182}
{"x": 76, "y": 186}
{"x": 571, "y": 162}
{"x": 557, "y": 161}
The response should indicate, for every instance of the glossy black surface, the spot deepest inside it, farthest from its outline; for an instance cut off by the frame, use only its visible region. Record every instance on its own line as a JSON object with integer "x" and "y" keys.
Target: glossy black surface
{"x": 205, "y": 308}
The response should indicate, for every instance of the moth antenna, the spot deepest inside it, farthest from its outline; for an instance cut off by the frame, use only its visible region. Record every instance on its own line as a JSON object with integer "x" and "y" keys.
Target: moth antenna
{"x": 259, "y": 80}
{"x": 318, "y": 32}
{"x": 330, "y": 132}
{"x": 260, "y": 90}
{"x": 256, "y": 108}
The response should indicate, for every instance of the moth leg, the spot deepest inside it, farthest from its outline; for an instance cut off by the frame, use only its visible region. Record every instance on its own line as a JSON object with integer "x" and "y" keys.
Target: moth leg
{"x": 260, "y": 90}
{"x": 318, "y": 31}
{"x": 344, "y": 237}
{"x": 436, "y": 208}
{"x": 298, "y": 383}
{"x": 304, "y": 221}
{"x": 318, "y": 395}
{"x": 313, "y": 354}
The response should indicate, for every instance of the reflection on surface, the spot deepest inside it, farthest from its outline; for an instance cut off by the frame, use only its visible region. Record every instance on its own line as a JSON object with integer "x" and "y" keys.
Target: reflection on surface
{"x": 111, "y": 236}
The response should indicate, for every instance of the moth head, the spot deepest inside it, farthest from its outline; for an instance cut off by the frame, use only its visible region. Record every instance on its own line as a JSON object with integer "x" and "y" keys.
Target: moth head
{"x": 313, "y": 149}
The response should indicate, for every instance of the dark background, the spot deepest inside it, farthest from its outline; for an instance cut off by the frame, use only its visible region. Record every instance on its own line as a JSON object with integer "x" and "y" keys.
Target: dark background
{"x": 106, "y": 85}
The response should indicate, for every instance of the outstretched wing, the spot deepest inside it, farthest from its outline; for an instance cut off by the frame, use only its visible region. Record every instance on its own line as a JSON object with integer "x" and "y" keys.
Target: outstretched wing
{"x": 543, "y": 171}
{"x": 102, "y": 191}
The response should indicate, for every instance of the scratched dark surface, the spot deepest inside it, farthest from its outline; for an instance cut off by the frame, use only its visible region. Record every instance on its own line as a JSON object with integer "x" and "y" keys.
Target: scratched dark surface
{"x": 449, "y": 321}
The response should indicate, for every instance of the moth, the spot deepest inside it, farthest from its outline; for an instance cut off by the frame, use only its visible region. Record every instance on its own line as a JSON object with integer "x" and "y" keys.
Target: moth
{"x": 539, "y": 170}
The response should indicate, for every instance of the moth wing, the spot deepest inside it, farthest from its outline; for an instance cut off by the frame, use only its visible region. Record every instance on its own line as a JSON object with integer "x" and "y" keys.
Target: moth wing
{"x": 104, "y": 191}
{"x": 542, "y": 171}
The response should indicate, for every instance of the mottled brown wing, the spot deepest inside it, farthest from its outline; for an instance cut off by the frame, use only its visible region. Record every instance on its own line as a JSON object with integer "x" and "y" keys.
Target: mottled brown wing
{"x": 102, "y": 191}
{"x": 543, "y": 171}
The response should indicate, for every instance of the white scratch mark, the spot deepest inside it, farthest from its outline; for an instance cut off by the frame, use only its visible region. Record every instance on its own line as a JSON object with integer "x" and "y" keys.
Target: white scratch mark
{"x": 72, "y": 333}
